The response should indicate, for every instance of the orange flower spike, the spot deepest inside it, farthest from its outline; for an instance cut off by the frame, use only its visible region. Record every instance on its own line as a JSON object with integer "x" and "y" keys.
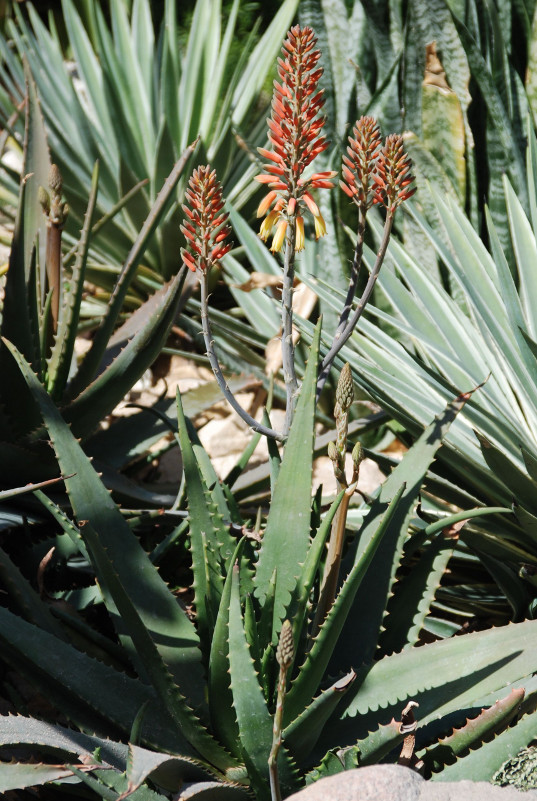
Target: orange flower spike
{"x": 393, "y": 181}
{"x": 266, "y": 203}
{"x": 295, "y": 134}
{"x": 205, "y": 228}
{"x": 359, "y": 165}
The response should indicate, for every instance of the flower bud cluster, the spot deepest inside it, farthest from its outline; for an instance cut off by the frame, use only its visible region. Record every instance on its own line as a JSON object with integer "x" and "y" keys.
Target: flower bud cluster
{"x": 205, "y": 227}
{"x": 373, "y": 173}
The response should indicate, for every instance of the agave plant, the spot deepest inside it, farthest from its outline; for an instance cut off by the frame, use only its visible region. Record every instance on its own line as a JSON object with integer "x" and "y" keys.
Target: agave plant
{"x": 235, "y": 689}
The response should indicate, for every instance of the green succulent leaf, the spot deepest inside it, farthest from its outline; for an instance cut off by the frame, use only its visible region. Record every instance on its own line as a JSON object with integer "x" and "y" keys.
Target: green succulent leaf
{"x": 291, "y": 503}
{"x": 20, "y": 731}
{"x": 306, "y": 683}
{"x": 302, "y": 734}
{"x": 223, "y": 716}
{"x": 301, "y": 596}
{"x": 211, "y": 544}
{"x": 24, "y": 286}
{"x": 482, "y": 763}
{"x": 17, "y": 775}
{"x": 361, "y": 632}
{"x": 457, "y": 671}
{"x": 139, "y": 352}
{"x": 93, "y": 695}
{"x": 25, "y": 598}
{"x": 186, "y": 722}
{"x": 253, "y": 717}
{"x": 470, "y": 736}
{"x": 60, "y": 361}
{"x": 164, "y": 769}
{"x": 413, "y": 596}
{"x": 170, "y": 627}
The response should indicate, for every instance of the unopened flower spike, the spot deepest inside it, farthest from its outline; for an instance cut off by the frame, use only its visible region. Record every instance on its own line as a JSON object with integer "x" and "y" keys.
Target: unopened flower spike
{"x": 393, "y": 180}
{"x": 206, "y": 231}
{"x": 205, "y": 227}
{"x": 295, "y": 133}
{"x": 360, "y": 162}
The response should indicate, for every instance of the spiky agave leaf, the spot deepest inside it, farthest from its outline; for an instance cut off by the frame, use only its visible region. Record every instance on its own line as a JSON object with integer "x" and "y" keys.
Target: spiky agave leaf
{"x": 211, "y": 543}
{"x": 442, "y": 677}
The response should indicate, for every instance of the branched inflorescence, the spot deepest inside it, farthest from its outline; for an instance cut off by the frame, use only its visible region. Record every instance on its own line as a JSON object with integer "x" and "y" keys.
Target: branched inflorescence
{"x": 205, "y": 228}
{"x": 374, "y": 174}
{"x": 295, "y": 132}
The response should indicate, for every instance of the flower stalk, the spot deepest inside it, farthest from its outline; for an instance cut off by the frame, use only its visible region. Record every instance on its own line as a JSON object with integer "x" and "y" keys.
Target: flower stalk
{"x": 337, "y": 451}
{"x": 207, "y": 232}
{"x": 217, "y": 370}
{"x": 371, "y": 175}
{"x": 285, "y": 654}
{"x": 55, "y": 211}
{"x": 288, "y": 348}
{"x": 295, "y": 134}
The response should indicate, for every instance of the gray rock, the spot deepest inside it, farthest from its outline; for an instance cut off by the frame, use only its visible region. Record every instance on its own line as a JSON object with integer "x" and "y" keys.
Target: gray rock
{"x": 395, "y": 783}
{"x": 375, "y": 783}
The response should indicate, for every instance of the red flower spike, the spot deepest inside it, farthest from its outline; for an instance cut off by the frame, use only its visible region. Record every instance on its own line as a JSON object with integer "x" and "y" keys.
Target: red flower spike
{"x": 393, "y": 181}
{"x": 205, "y": 230}
{"x": 295, "y": 133}
{"x": 360, "y": 164}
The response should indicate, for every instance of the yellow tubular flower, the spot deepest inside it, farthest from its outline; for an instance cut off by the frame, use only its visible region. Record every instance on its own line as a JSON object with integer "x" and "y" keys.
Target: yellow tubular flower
{"x": 279, "y": 236}
{"x": 320, "y": 226}
{"x": 299, "y": 244}
{"x": 267, "y": 225}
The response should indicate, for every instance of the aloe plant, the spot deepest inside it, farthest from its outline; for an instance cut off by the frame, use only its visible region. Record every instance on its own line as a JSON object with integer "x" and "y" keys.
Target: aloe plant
{"x": 201, "y": 686}
{"x": 40, "y": 315}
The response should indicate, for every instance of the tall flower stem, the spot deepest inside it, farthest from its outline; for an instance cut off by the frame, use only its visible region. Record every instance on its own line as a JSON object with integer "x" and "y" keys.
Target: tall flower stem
{"x": 217, "y": 370}
{"x": 284, "y": 657}
{"x": 288, "y": 349}
{"x": 355, "y": 272}
{"x": 343, "y": 335}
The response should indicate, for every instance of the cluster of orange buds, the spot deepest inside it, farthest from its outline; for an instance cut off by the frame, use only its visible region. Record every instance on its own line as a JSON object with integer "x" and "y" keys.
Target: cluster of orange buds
{"x": 295, "y": 133}
{"x": 394, "y": 182}
{"x": 205, "y": 228}
{"x": 375, "y": 174}
{"x": 360, "y": 162}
